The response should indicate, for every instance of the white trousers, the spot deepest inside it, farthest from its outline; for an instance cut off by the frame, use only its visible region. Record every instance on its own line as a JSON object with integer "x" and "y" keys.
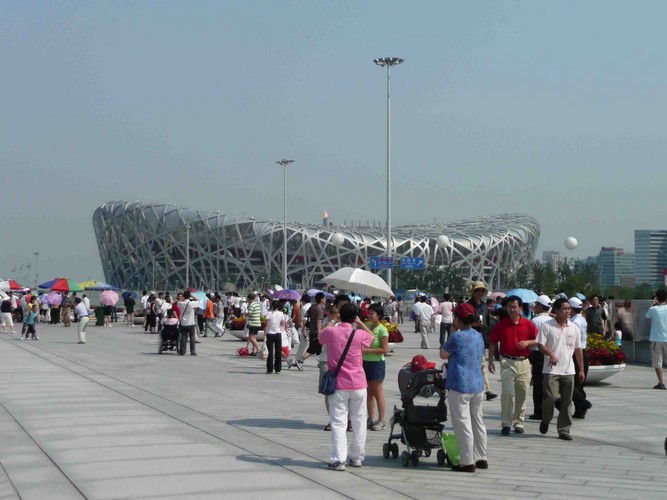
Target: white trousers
{"x": 7, "y": 321}
{"x": 468, "y": 424}
{"x": 424, "y": 328}
{"x": 83, "y": 322}
{"x": 344, "y": 405}
{"x": 293, "y": 336}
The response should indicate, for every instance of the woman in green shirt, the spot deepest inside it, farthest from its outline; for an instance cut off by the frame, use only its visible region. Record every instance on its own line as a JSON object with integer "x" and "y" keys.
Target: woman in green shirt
{"x": 374, "y": 367}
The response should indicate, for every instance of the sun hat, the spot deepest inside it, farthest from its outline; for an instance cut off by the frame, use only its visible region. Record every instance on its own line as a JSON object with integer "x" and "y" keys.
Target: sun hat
{"x": 477, "y": 285}
{"x": 544, "y": 300}
{"x": 576, "y": 303}
{"x": 419, "y": 363}
{"x": 464, "y": 310}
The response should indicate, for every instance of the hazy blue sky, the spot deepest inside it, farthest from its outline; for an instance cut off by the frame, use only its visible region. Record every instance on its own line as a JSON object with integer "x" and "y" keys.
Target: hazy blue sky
{"x": 552, "y": 109}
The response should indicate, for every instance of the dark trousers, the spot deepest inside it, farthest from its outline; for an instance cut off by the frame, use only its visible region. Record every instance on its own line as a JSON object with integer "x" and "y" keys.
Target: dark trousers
{"x": 55, "y": 316}
{"x": 190, "y": 330}
{"x": 536, "y": 366}
{"x": 274, "y": 360}
{"x": 445, "y": 330}
{"x": 579, "y": 396}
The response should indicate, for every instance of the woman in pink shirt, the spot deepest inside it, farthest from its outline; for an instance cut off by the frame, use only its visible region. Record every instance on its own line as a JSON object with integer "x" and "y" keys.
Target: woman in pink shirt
{"x": 349, "y": 400}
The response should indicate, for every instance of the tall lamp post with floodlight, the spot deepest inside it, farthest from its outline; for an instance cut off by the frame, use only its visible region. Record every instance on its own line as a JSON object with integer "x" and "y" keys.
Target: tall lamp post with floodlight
{"x": 36, "y": 268}
{"x": 388, "y": 62}
{"x": 283, "y": 163}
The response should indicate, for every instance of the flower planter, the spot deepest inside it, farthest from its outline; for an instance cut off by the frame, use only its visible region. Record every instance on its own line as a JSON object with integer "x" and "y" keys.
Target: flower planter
{"x": 599, "y": 373}
{"x": 239, "y": 335}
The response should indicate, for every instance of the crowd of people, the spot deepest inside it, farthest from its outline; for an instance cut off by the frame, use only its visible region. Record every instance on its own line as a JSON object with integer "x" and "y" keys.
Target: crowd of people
{"x": 541, "y": 344}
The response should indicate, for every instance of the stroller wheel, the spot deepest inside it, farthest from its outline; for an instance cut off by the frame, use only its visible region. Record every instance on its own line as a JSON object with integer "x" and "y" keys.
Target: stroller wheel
{"x": 386, "y": 450}
{"x": 440, "y": 457}
{"x": 405, "y": 459}
{"x": 394, "y": 450}
{"x": 414, "y": 458}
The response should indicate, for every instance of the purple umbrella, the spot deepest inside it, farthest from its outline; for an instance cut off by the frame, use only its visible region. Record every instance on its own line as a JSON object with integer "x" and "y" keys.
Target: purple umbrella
{"x": 314, "y": 291}
{"x": 286, "y": 295}
{"x": 54, "y": 298}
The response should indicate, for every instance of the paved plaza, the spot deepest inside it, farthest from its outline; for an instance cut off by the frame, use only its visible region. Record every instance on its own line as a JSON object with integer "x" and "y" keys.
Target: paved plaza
{"x": 113, "y": 419}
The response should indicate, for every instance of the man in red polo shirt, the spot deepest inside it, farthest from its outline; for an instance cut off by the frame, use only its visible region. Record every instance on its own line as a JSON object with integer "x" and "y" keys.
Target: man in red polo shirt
{"x": 516, "y": 335}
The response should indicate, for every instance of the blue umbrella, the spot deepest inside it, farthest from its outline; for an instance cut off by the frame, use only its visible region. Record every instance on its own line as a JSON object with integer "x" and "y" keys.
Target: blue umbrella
{"x": 314, "y": 291}
{"x": 129, "y": 293}
{"x": 48, "y": 284}
{"x": 527, "y": 296}
{"x": 581, "y": 296}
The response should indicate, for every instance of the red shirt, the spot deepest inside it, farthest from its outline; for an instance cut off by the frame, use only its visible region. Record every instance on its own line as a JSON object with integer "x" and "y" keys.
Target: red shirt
{"x": 510, "y": 334}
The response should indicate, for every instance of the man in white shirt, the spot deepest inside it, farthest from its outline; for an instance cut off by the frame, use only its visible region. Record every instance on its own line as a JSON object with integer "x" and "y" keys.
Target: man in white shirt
{"x": 188, "y": 308}
{"x": 425, "y": 314}
{"x": 558, "y": 339}
{"x": 83, "y": 314}
{"x": 86, "y": 301}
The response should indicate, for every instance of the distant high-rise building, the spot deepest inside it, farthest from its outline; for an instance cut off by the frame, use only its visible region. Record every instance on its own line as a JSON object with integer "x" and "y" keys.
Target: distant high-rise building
{"x": 615, "y": 266}
{"x": 650, "y": 255}
{"x": 551, "y": 258}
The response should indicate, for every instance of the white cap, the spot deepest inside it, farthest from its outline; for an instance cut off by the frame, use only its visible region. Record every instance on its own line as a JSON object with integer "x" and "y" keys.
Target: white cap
{"x": 576, "y": 303}
{"x": 544, "y": 300}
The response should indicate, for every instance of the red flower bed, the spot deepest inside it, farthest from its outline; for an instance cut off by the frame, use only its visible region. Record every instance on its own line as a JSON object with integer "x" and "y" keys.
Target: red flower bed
{"x": 601, "y": 357}
{"x": 395, "y": 337}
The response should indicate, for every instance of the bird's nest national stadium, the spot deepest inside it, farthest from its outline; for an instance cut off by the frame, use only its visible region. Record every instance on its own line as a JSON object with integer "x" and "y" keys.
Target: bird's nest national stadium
{"x": 150, "y": 245}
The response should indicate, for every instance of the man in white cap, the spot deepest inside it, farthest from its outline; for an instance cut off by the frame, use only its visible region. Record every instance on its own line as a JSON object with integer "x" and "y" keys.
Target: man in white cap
{"x": 581, "y": 404}
{"x": 541, "y": 309}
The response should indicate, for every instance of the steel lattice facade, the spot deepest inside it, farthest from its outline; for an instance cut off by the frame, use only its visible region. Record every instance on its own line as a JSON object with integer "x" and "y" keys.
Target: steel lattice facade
{"x": 143, "y": 244}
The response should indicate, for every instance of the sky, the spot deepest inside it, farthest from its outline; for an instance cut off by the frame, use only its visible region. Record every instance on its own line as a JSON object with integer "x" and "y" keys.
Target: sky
{"x": 551, "y": 109}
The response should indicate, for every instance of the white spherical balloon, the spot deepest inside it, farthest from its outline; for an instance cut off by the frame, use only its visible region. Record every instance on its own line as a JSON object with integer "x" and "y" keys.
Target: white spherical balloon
{"x": 443, "y": 241}
{"x": 571, "y": 243}
{"x": 337, "y": 239}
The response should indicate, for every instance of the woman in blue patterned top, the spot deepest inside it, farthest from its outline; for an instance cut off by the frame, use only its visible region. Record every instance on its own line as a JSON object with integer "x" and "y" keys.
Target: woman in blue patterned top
{"x": 464, "y": 349}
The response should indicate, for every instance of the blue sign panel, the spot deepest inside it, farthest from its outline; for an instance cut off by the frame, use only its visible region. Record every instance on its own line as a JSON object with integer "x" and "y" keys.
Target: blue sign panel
{"x": 413, "y": 263}
{"x": 381, "y": 262}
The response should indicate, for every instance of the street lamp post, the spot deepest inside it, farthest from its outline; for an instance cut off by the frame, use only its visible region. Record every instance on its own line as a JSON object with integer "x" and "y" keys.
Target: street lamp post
{"x": 388, "y": 62}
{"x": 283, "y": 163}
{"x": 187, "y": 254}
{"x": 36, "y": 268}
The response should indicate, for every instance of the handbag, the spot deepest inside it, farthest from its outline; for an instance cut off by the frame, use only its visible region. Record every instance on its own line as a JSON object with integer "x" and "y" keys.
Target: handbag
{"x": 263, "y": 353}
{"x": 328, "y": 382}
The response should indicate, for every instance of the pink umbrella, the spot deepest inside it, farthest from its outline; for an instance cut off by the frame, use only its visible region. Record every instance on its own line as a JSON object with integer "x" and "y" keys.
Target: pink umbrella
{"x": 108, "y": 298}
{"x": 435, "y": 305}
{"x": 497, "y": 295}
{"x": 54, "y": 298}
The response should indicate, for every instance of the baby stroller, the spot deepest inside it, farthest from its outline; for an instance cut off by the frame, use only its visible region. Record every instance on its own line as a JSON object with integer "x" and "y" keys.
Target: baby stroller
{"x": 420, "y": 425}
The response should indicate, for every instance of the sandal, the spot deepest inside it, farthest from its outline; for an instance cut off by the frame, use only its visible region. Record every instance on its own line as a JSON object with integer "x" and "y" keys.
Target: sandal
{"x": 327, "y": 427}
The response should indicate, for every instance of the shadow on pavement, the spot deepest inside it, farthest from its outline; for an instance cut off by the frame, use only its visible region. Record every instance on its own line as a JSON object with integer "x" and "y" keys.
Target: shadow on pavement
{"x": 281, "y": 423}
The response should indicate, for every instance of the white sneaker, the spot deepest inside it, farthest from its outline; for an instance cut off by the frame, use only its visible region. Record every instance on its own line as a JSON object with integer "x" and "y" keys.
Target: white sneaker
{"x": 378, "y": 425}
{"x": 354, "y": 463}
{"x": 339, "y": 466}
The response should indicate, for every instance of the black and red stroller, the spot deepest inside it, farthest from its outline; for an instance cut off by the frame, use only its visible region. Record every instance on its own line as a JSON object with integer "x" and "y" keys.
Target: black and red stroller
{"x": 420, "y": 424}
